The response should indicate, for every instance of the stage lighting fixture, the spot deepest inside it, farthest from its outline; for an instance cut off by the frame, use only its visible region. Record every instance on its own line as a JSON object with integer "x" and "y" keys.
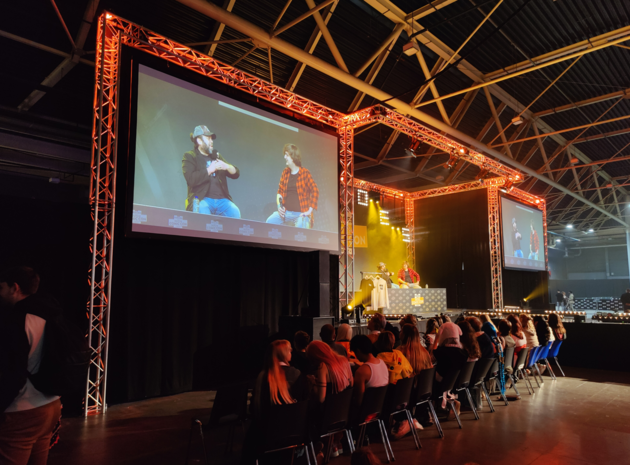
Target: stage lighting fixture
{"x": 463, "y": 150}
{"x": 413, "y": 147}
{"x": 411, "y": 48}
{"x": 405, "y": 234}
{"x": 451, "y": 162}
{"x": 384, "y": 217}
{"x": 482, "y": 174}
{"x": 507, "y": 187}
{"x": 537, "y": 200}
{"x": 362, "y": 197}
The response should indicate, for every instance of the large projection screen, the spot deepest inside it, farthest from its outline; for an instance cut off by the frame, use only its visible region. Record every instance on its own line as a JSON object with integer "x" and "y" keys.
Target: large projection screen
{"x": 523, "y": 238}
{"x": 254, "y": 177}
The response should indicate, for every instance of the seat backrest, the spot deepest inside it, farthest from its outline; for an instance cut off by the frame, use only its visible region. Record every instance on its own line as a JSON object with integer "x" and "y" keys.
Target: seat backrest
{"x": 544, "y": 352}
{"x": 336, "y": 411}
{"x": 555, "y": 348}
{"x": 494, "y": 370}
{"x": 521, "y": 359}
{"x": 463, "y": 380}
{"x": 481, "y": 370}
{"x": 230, "y": 404}
{"x": 449, "y": 380}
{"x": 286, "y": 426}
{"x": 398, "y": 394}
{"x": 424, "y": 384}
{"x": 508, "y": 357}
{"x": 372, "y": 405}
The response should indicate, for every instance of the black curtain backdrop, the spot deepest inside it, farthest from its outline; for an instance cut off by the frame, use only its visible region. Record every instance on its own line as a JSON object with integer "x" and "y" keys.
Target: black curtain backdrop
{"x": 532, "y": 285}
{"x": 452, "y": 247}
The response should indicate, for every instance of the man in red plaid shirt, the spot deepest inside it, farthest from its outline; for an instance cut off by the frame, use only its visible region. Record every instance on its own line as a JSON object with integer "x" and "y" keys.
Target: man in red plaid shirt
{"x": 297, "y": 193}
{"x": 534, "y": 243}
{"x": 407, "y": 277}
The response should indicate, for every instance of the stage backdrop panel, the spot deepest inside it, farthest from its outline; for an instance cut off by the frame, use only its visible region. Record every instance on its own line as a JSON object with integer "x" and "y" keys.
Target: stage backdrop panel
{"x": 452, "y": 247}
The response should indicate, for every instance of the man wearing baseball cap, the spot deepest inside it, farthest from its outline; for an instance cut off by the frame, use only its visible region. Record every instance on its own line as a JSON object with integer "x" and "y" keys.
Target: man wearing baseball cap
{"x": 206, "y": 173}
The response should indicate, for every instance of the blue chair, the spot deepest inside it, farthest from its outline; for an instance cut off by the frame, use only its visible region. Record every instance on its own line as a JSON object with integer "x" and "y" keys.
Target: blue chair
{"x": 544, "y": 353}
{"x": 531, "y": 364}
{"x": 553, "y": 352}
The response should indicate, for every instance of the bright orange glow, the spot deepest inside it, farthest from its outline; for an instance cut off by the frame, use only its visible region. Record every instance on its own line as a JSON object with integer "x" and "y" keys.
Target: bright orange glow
{"x": 517, "y": 177}
{"x": 537, "y": 200}
{"x": 108, "y": 16}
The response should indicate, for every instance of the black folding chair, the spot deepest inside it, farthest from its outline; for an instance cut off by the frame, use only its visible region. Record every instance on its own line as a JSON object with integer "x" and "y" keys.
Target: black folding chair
{"x": 397, "y": 401}
{"x": 477, "y": 380}
{"x": 287, "y": 428}
{"x": 229, "y": 409}
{"x": 370, "y": 412}
{"x": 422, "y": 395}
{"x": 462, "y": 383}
{"x": 334, "y": 419}
{"x": 445, "y": 386}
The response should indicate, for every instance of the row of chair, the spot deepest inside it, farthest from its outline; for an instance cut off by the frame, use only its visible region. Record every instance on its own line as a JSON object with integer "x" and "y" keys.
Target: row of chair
{"x": 289, "y": 428}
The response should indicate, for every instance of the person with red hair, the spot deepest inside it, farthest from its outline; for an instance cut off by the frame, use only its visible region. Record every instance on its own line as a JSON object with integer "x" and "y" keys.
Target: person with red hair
{"x": 333, "y": 373}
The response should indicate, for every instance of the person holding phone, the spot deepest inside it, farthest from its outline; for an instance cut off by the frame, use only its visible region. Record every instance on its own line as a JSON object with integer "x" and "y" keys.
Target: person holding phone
{"x": 297, "y": 192}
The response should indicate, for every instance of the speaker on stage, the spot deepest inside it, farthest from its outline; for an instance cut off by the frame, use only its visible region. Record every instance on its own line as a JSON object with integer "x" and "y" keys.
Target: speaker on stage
{"x": 318, "y": 285}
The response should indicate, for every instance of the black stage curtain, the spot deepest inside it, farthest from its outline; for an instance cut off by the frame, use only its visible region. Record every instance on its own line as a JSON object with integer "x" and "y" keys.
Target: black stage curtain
{"x": 181, "y": 307}
{"x": 532, "y": 285}
{"x": 452, "y": 247}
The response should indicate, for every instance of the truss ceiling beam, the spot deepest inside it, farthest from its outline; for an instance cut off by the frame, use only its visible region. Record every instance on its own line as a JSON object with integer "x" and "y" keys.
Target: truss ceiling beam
{"x": 217, "y": 30}
{"x": 426, "y": 10}
{"x": 389, "y": 40}
{"x": 589, "y": 45}
{"x": 602, "y": 136}
{"x": 595, "y": 163}
{"x": 66, "y": 65}
{"x": 313, "y": 9}
{"x": 310, "y": 48}
{"x": 583, "y": 103}
{"x": 256, "y": 33}
{"x": 45, "y": 48}
{"x": 321, "y": 24}
{"x": 392, "y": 12}
{"x": 530, "y": 69}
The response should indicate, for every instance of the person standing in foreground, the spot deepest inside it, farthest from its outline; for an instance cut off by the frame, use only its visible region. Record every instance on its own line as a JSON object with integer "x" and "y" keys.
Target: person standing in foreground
{"x": 206, "y": 174}
{"x": 29, "y": 416}
{"x": 297, "y": 192}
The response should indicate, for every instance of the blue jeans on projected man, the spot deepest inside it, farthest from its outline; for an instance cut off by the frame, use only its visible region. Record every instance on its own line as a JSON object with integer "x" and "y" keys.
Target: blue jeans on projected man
{"x": 518, "y": 253}
{"x": 533, "y": 256}
{"x": 219, "y": 207}
{"x": 290, "y": 219}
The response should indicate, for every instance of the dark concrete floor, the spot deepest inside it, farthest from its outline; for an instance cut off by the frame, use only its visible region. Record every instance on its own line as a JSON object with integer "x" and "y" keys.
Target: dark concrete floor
{"x": 581, "y": 419}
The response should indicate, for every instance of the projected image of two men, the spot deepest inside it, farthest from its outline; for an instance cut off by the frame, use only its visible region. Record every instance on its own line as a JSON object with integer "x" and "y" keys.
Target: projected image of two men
{"x": 211, "y": 167}
{"x": 523, "y": 246}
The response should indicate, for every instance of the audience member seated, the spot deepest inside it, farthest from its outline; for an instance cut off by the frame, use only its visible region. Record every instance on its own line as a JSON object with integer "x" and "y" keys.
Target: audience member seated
{"x": 449, "y": 355}
{"x": 430, "y": 336}
{"x": 376, "y": 325}
{"x": 372, "y": 373}
{"x": 344, "y": 336}
{"x": 517, "y": 333}
{"x": 409, "y": 319}
{"x": 485, "y": 321}
{"x": 555, "y": 322}
{"x": 397, "y": 364}
{"x": 469, "y": 341}
{"x": 529, "y": 330}
{"x": 298, "y": 358}
{"x": 271, "y": 388}
{"x": 485, "y": 343}
{"x": 411, "y": 347}
{"x": 327, "y": 335}
{"x": 505, "y": 333}
{"x": 332, "y": 374}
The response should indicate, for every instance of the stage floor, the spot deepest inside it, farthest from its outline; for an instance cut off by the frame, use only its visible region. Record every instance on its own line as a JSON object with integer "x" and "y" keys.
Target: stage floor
{"x": 581, "y": 419}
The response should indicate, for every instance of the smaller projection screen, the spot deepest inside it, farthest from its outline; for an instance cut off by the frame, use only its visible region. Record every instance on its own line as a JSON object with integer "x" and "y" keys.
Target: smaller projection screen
{"x": 210, "y": 167}
{"x": 523, "y": 238}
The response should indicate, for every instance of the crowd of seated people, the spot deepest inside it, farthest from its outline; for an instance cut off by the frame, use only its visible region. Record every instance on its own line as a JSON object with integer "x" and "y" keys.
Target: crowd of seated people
{"x": 313, "y": 370}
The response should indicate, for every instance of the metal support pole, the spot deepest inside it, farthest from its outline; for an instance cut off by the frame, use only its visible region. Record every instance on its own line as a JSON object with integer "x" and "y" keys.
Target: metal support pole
{"x": 346, "y": 211}
{"x": 496, "y": 265}
{"x": 410, "y": 225}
